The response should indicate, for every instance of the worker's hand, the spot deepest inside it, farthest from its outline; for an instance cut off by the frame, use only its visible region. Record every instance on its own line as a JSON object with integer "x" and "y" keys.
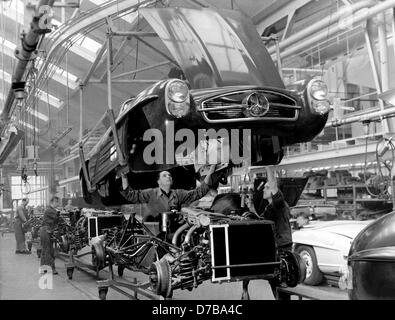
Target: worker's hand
{"x": 125, "y": 182}
{"x": 120, "y": 171}
{"x": 271, "y": 179}
{"x": 212, "y": 169}
{"x": 209, "y": 173}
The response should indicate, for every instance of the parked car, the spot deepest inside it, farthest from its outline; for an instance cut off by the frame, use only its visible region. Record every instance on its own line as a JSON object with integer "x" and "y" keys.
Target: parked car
{"x": 224, "y": 80}
{"x": 302, "y": 214}
{"x": 324, "y": 246}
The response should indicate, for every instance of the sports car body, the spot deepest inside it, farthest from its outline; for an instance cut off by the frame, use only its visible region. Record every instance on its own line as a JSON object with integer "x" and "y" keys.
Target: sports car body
{"x": 324, "y": 246}
{"x": 224, "y": 80}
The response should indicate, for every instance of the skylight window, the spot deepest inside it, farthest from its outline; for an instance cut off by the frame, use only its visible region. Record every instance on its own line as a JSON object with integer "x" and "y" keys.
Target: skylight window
{"x": 38, "y": 114}
{"x": 41, "y": 94}
{"x": 27, "y": 125}
{"x": 15, "y": 10}
{"x": 127, "y": 17}
{"x": 86, "y": 48}
{"x": 60, "y": 74}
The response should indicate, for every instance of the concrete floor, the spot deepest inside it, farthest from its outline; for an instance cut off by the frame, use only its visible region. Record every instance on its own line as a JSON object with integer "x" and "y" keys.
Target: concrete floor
{"x": 19, "y": 279}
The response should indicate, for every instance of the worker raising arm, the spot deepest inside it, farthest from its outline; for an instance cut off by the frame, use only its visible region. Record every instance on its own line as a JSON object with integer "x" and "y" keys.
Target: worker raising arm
{"x": 163, "y": 198}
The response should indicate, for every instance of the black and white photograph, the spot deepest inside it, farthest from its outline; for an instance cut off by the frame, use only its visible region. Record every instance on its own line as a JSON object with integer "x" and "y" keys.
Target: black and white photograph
{"x": 197, "y": 154}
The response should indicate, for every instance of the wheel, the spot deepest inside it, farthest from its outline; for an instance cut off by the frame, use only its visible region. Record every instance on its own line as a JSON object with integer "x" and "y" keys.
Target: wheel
{"x": 38, "y": 253}
{"x": 103, "y": 293}
{"x": 70, "y": 272}
{"x": 314, "y": 275}
{"x": 120, "y": 270}
{"x": 294, "y": 268}
{"x": 160, "y": 278}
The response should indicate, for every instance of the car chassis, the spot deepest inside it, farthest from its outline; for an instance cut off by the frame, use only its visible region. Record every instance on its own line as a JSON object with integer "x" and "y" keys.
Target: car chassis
{"x": 186, "y": 248}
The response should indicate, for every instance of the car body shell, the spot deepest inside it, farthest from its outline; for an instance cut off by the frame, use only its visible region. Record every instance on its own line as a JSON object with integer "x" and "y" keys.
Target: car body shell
{"x": 331, "y": 241}
{"x": 230, "y": 65}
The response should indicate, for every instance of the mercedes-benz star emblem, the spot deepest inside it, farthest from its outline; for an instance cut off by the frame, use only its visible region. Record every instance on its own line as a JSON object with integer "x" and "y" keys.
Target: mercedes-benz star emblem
{"x": 257, "y": 104}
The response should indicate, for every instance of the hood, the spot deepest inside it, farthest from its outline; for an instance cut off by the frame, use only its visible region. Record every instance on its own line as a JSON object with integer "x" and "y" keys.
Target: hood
{"x": 348, "y": 229}
{"x": 214, "y": 48}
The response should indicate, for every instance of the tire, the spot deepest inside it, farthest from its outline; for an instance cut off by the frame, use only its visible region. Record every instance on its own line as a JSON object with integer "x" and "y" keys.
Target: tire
{"x": 314, "y": 275}
{"x": 160, "y": 278}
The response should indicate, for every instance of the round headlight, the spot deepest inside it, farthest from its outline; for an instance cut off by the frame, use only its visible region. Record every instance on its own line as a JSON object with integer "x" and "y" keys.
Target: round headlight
{"x": 178, "y": 91}
{"x": 319, "y": 90}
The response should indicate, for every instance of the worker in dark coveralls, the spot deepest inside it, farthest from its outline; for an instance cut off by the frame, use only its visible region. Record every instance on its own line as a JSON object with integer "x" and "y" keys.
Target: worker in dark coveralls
{"x": 277, "y": 211}
{"x": 20, "y": 219}
{"x": 163, "y": 198}
{"x": 50, "y": 221}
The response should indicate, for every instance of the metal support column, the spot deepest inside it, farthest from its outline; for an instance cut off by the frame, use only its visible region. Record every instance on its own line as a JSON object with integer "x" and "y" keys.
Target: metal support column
{"x": 374, "y": 64}
{"x": 110, "y": 111}
{"x": 81, "y": 112}
{"x": 384, "y": 62}
{"x": 279, "y": 64}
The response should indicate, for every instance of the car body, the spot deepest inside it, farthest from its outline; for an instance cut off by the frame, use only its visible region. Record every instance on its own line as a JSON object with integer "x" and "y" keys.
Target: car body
{"x": 226, "y": 81}
{"x": 371, "y": 260}
{"x": 324, "y": 245}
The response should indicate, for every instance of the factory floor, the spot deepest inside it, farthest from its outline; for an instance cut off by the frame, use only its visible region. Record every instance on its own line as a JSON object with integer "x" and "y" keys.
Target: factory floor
{"x": 19, "y": 279}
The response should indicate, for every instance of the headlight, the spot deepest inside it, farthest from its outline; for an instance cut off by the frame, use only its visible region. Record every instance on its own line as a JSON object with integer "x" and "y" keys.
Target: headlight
{"x": 177, "y": 98}
{"x": 177, "y": 91}
{"x": 318, "y": 90}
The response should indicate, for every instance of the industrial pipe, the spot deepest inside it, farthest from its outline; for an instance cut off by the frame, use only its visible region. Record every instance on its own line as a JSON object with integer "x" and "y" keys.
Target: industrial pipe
{"x": 29, "y": 45}
{"x": 357, "y": 17}
{"x": 324, "y": 23}
{"x": 361, "y": 118}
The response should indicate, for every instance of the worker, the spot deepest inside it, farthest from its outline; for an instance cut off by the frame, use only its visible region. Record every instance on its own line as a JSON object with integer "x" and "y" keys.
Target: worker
{"x": 51, "y": 219}
{"x": 20, "y": 219}
{"x": 277, "y": 211}
{"x": 163, "y": 198}
{"x": 69, "y": 206}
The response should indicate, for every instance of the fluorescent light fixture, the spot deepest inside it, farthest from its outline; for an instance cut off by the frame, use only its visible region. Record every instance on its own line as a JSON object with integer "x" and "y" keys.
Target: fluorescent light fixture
{"x": 39, "y": 115}
{"x": 46, "y": 97}
{"x": 27, "y": 125}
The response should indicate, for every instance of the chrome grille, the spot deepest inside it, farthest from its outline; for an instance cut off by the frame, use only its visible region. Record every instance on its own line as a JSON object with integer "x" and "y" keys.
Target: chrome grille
{"x": 230, "y": 107}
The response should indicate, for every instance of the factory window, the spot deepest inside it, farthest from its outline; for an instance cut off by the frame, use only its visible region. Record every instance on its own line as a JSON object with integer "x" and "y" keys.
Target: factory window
{"x": 19, "y": 190}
